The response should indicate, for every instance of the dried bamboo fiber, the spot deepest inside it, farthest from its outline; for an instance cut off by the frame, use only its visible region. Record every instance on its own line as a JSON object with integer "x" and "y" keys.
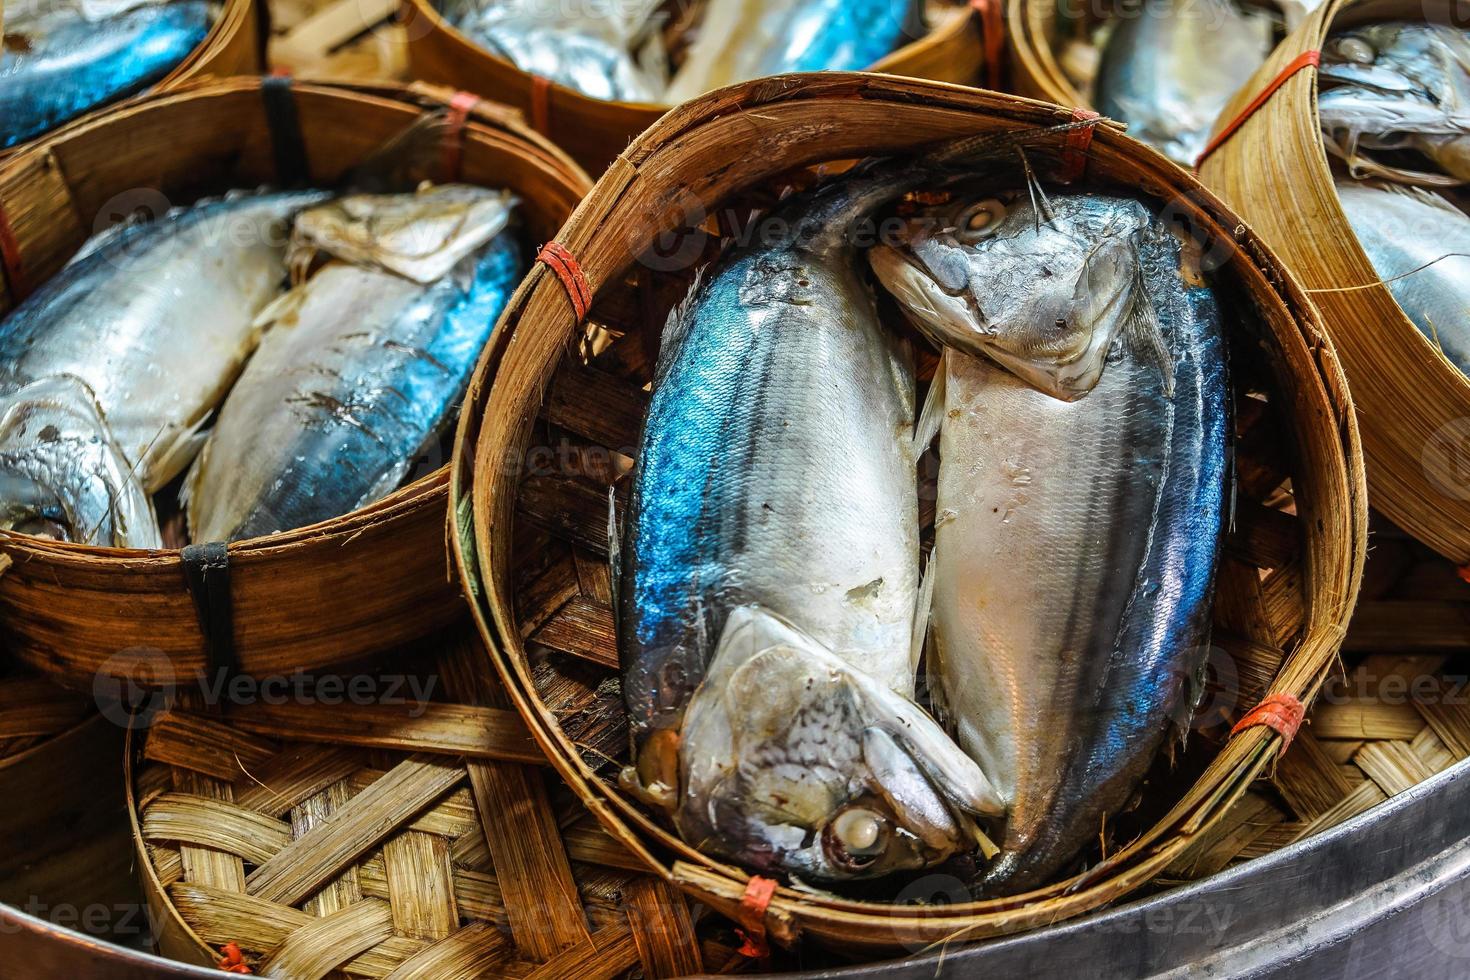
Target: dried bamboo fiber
{"x": 1414, "y": 404}
{"x": 320, "y": 595}
{"x": 531, "y": 538}
{"x": 594, "y": 131}
{"x": 317, "y": 853}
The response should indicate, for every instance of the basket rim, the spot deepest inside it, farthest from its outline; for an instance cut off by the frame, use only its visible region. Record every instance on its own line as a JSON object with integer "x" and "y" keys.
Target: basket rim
{"x": 1240, "y": 759}
{"x": 423, "y": 493}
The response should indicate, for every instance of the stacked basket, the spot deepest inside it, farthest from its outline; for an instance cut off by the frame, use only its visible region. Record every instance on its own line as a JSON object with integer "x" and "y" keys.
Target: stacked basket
{"x": 532, "y": 545}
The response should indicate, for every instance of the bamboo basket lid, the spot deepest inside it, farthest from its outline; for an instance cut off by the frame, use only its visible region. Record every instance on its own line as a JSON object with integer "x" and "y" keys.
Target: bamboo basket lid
{"x": 1413, "y": 402}
{"x": 325, "y": 594}
{"x": 531, "y": 539}
{"x": 594, "y": 131}
{"x": 373, "y": 840}
{"x": 235, "y": 45}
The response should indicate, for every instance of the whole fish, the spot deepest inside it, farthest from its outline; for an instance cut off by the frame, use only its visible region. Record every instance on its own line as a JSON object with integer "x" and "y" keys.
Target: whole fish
{"x": 768, "y": 572}
{"x": 359, "y": 368}
{"x": 1419, "y": 244}
{"x": 1394, "y": 87}
{"x": 603, "y": 53}
{"x": 75, "y": 65}
{"x": 1169, "y": 68}
{"x": 745, "y": 39}
{"x": 155, "y": 322}
{"x": 1082, "y": 410}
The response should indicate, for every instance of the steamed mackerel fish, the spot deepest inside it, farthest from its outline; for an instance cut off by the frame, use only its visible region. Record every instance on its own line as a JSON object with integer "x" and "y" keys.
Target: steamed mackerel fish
{"x": 1419, "y": 244}
{"x": 1398, "y": 87}
{"x": 59, "y": 62}
{"x": 108, "y": 371}
{"x": 744, "y": 39}
{"x": 1082, "y": 406}
{"x": 769, "y": 570}
{"x": 1169, "y": 70}
{"x": 606, "y": 53}
{"x": 362, "y": 365}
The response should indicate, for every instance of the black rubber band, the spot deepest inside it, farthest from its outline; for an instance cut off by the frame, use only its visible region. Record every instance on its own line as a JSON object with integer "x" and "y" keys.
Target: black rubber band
{"x": 207, "y": 575}
{"x": 262, "y": 35}
{"x": 285, "y": 126}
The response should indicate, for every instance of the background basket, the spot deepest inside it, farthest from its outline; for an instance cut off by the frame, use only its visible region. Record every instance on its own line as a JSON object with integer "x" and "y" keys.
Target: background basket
{"x": 1414, "y": 404}
{"x": 235, "y": 45}
{"x": 64, "y": 824}
{"x": 360, "y": 841}
{"x": 595, "y": 130}
{"x": 532, "y": 544}
{"x": 326, "y": 594}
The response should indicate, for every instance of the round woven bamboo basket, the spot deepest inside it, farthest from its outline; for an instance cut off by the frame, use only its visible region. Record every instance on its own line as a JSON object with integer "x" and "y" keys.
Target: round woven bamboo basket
{"x": 65, "y": 858}
{"x": 1032, "y": 35}
{"x": 326, "y": 594}
{"x": 594, "y": 131}
{"x": 531, "y": 539}
{"x": 1414, "y": 404}
{"x": 416, "y": 840}
{"x": 235, "y": 45}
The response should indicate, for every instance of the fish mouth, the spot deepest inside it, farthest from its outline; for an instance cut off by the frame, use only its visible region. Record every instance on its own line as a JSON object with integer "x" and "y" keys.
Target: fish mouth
{"x": 793, "y": 760}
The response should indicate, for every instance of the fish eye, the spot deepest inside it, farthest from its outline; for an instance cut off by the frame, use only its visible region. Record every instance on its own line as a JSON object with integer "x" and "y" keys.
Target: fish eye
{"x": 980, "y": 220}
{"x": 856, "y": 837}
{"x": 1356, "y": 50}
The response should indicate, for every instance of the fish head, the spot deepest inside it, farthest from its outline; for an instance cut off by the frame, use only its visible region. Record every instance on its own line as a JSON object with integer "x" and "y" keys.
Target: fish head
{"x": 795, "y": 762}
{"x": 1041, "y": 286}
{"x": 61, "y": 473}
{"x": 421, "y": 236}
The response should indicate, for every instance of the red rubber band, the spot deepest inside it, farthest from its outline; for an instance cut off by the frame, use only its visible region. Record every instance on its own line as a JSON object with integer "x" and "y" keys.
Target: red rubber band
{"x": 752, "y": 916}
{"x": 1464, "y": 572}
{"x": 460, "y": 108}
{"x": 1307, "y": 59}
{"x": 541, "y": 105}
{"x": 1079, "y": 141}
{"x": 1282, "y": 713}
{"x": 569, "y": 271}
{"x": 992, "y": 37}
{"x": 10, "y": 259}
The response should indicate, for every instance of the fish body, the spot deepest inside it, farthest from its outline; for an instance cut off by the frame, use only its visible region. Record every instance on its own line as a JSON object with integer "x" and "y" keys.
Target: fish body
{"x": 1398, "y": 86}
{"x": 77, "y": 64}
{"x": 1079, "y": 512}
{"x": 768, "y": 574}
{"x": 603, "y": 54}
{"x": 155, "y": 323}
{"x": 358, "y": 370}
{"x": 1168, "y": 70}
{"x": 746, "y": 39}
{"x": 1419, "y": 245}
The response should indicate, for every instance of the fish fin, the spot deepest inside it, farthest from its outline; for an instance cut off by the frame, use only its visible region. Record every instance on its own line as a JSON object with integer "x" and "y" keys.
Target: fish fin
{"x": 920, "y": 629}
{"x": 189, "y": 489}
{"x": 1141, "y": 327}
{"x": 185, "y": 447}
{"x": 926, "y": 645}
{"x": 283, "y": 307}
{"x": 677, "y": 325}
{"x": 614, "y": 552}
{"x": 931, "y": 417}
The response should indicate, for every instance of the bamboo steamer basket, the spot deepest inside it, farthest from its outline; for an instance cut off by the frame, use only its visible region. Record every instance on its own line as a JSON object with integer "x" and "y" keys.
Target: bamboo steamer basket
{"x": 65, "y": 857}
{"x": 374, "y": 840}
{"x": 532, "y": 544}
{"x": 326, "y": 594}
{"x": 235, "y": 45}
{"x": 1414, "y": 404}
{"x": 594, "y": 131}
